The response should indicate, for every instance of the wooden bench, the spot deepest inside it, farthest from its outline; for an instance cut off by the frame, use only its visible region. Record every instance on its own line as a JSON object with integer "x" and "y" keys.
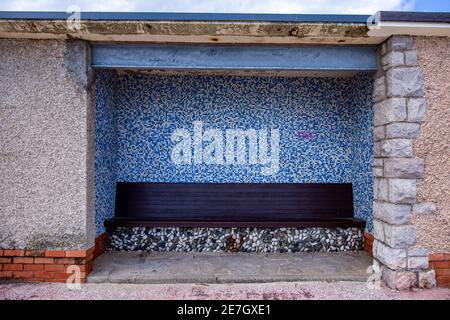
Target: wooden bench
{"x": 234, "y": 205}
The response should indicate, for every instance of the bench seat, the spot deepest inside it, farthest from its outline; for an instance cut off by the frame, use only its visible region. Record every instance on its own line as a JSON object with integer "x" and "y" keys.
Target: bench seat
{"x": 234, "y": 205}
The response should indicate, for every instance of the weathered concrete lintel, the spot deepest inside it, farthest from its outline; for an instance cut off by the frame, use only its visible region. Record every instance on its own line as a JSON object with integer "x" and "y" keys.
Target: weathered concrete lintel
{"x": 192, "y": 32}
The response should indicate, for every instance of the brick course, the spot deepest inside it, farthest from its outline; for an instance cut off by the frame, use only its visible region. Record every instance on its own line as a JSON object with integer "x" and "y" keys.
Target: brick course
{"x": 49, "y": 265}
{"x": 440, "y": 262}
{"x": 368, "y": 243}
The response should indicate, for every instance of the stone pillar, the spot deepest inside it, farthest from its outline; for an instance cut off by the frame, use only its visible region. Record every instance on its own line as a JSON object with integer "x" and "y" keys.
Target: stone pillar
{"x": 399, "y": 110}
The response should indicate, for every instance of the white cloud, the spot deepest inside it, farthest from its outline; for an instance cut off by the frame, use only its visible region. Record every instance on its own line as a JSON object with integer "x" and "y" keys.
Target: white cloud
{"x": 243, "y": 6}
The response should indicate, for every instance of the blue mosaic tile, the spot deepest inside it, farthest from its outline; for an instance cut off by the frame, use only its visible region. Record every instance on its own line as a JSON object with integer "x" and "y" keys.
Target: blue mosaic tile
{"x": 325, "y": 128}
{"x": 105, "y": 149}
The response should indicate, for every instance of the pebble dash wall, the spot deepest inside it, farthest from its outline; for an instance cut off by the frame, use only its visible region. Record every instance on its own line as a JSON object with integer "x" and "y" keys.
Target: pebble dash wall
{"x": 325, "y": 127}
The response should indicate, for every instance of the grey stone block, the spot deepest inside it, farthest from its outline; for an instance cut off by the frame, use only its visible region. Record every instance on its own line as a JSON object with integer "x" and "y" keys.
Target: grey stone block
{"x": 417, "y": 262}
{"x": 379, "y": 114}
{"x": 377, "y": 149}
{"x": 400, "y": 43}
{"x": 389, "y": 110}
{"x": 396, "y": 148}
{"x": 392, "y": 213}
{"x": 411, "y": 58}
{"x": 383, "y": 188}
{"x": 402, "y": 191}
{"x": 379, "y": 89}
{"x": 375, "y": 189}
{"x": 378, "y": 133}
{"x": 427, "y": 279}
{"x": 399, "y": 280}
{"x": 402, "y": 130}
{"x": 424, "y": 208}
{"x": 384, "y": 48}
{"x": 378, "y": 230}
{"x": 377, "y": 172}
{"x": 380, "y": 72}
{"x": 378, "y": 162}
{"x": 418, "y": 252}
{"x": 417, "y": 109}
{"x": 394, "y": 259}
{"x": 405, "y": 82}
{"x": 401, "y": 237}
{"x": 404, "y": 168}
{"x": 393, "y": 59}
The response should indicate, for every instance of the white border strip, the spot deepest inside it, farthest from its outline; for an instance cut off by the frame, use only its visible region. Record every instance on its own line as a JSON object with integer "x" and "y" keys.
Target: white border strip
{"x": 389, "y": 28}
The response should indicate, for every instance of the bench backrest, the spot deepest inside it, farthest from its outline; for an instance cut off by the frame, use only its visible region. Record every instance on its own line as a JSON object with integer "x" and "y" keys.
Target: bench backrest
{"x": 233, "y": 202}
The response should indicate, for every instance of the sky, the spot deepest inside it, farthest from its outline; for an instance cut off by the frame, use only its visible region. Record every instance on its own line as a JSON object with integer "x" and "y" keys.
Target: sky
{"x": 233, "y": 6}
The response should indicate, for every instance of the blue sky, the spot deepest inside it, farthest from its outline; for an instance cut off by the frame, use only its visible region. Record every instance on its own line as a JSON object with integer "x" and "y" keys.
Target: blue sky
{"x": 432, "y": 5}
{"x": 244, "y": 6}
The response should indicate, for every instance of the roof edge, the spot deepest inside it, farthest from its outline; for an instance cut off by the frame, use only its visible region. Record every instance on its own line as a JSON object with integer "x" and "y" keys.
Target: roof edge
{"x": 425, "y": 17}
{"x": 181, "y": 16}
{"x": 389, "y": 23}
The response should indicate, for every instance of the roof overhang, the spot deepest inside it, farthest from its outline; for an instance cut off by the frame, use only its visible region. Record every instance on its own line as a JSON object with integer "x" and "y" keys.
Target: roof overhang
{"x": 222, "y": 27}
{"x": 387, "y": 23}
{"x": 189, "y": 28}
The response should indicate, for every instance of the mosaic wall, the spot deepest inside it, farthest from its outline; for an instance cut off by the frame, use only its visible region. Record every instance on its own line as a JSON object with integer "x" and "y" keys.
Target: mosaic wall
{"x": 362, "y": 148}
{"x": 324, "y": 127}
{"x": 105, "y": 149}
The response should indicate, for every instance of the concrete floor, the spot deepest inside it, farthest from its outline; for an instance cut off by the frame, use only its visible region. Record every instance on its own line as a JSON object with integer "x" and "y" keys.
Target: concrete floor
{"x": 318, "y": 290}
{"x": 169, "y": 268}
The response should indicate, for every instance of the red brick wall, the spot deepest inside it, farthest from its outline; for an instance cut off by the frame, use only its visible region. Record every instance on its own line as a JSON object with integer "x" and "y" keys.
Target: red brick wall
{"x": 368, "y": 241}
{"x": 440, "y": 262}
{"x": 49, "y": 265}
{"x": 100, "y": 245}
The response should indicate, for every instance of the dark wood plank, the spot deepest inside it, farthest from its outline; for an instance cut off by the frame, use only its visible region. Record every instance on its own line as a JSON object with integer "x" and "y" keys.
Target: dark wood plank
{"x": 304, "y": 223}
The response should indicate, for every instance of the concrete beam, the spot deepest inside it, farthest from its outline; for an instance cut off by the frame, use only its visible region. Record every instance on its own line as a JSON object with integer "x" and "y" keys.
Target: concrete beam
{"x": 214, "y": 57}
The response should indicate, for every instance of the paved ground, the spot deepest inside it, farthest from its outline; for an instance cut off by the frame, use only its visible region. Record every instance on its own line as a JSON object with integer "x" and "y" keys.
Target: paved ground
{"x": 211, "y": 276}
{"x": 166, "y": 268}
{"x": 265, "y": 291}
